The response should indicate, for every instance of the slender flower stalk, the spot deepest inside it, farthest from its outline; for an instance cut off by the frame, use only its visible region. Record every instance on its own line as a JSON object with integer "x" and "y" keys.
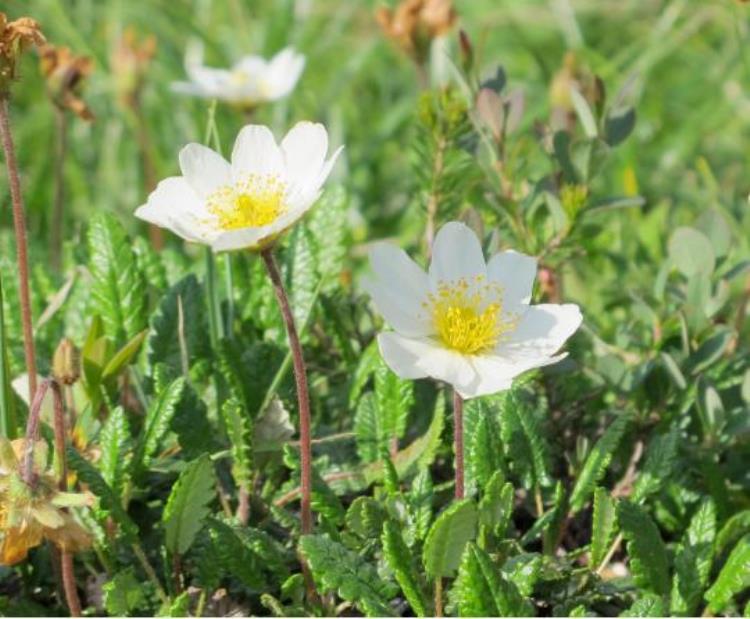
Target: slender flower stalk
{"x": 458, "y": 442}
{"x": 19, "y": 225}
{"x": 58, "y": 205}
{"x": 303, "y": 397}
{"x": 66, "y": 558}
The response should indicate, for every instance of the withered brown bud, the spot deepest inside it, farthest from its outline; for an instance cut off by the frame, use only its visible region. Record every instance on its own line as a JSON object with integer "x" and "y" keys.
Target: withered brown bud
{"x": 65, "y": 73}
{"x": 15, "y": 37}
{"x": 66, "y": 363}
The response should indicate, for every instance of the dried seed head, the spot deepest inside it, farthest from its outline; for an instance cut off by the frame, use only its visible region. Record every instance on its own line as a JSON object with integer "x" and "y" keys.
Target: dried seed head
{"x": 415, "y": 23}
{"x": 64, "y": 73}
{"x": 129, "y": 62}
{"x": 15, "y": 37}
{"x": 66, "y": 363}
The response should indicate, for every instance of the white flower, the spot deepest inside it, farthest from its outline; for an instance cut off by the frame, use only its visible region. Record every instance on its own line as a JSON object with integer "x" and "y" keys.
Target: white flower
{"x": 251, "y": 81}
{"x": 465, "y": 322}
{"x": 246, "y": 204}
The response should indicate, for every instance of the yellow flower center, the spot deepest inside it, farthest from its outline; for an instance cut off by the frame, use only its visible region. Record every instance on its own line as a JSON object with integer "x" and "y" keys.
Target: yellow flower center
{"x": 255, "y": 201}
{"x": 469, "y": 318}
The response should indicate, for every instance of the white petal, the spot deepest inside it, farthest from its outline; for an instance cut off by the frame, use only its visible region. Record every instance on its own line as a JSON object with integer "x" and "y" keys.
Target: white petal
{"x": 542, "y": 330}
{"x": 495, "y": 374}
{"x": 174, "y": 205}
{"x": 255, "y": 152}
{"x": 516, "y": 273}
{"x": 204, "y": 169}
{"x": 305, "y": 147}
{"x": 399, "y": 289}
{"x": 456, "y": 254}
{"x": 417, "y": 358}
{"x": 284, "y": 71}
{"x": 303, "y": 196}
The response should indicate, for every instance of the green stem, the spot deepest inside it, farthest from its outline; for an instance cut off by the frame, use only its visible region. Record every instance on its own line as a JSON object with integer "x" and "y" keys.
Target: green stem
{"x": 148, "y": 568}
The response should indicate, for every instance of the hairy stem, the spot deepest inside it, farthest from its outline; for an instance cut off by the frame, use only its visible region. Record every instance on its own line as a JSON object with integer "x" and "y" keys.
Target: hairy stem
{"x": 438, "y": 597}
{"x": 458, "y": 442}
{"x": 303, "y": 397}
{"x": 32, "y": 433}
{"x": 66, "y": 559}
{"x": 58, "y": 205}
{"x": 19, "y": 224}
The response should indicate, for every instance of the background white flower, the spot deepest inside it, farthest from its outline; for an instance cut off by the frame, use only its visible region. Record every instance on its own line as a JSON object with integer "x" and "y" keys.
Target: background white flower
{"x": 246, "y": 204}
{"x": 466, "y": 322}
{"x": 251, "y": 81}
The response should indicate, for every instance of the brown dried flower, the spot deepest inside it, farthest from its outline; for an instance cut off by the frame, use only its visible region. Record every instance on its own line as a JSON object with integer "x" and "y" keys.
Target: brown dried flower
{"x": 15, "y": 37}
{"x": 65, "y": 73}
{"x": 129, "y": 62}
{"x": 29, "y": 515}
{"x": 415, "y": 23}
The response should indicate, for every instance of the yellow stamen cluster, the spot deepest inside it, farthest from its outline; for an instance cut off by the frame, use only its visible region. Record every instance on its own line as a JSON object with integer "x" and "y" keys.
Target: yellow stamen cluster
{"x": 468, "y": 317}
{"x": 255, "y": 201}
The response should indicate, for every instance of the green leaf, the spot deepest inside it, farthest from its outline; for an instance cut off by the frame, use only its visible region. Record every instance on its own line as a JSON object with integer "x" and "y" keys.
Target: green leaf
{"x": 484, "y": 456}
{"x": 481, "y": 590}
{"x": 650, "y": 605}
{"x": 394, "y": 397}
{"x": 420, "y": 499}
{"x": 522, "y": 433}
{"x": 523, "y": 571}
{"x": 300, "y": 279}
{"x": 619, "y": 125}
{"x": 585, "y": 115}
{"x": 109, "y": 501}
{"x": 123, "y": 594}
{"x": 661, "y": 460}
{"x": 365, "y": 517}
{"x": 328, "y": 229}
{"x": 336, "y": 568}
{"x": 691, "y": 252}
{"x": 179, "y": 331}
{"x": 239, "y": 429}
{"x": 123, "y": 357}
{"x": 710, "y": 351}
{"x": 117, "y": 290}
{"x": 113, "y": 441}
{"x": 187, "y": 505}
{"x": 404, "y": 568}
{"x": 733, "y": 578}
{"x": 648, "y": 555}
{"x": 597, "y": 462}
{"x": 448, "y": 536}
{"x": 157, "y": 422}
{"x": 496, "y": 505}
{"x": 693, "y": 561}
{"x": 603, "y": 526}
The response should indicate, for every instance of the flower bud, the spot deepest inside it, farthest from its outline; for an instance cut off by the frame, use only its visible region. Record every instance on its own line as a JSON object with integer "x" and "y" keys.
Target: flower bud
{"x": 66, "y": 363}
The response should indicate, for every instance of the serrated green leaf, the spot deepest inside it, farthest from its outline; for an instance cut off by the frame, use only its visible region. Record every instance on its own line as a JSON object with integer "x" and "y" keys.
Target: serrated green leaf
{"x": 117, "y": 291}
{"x": 522, "y": 434}
{"x": 604, "y": 523}
{"x": 187, "y": 505}
{"x": 650, "y": 605}
{"x": 157, "y": 421}
{"x": 109, "y": 501}
{"x": 394, "y": 397}
{"x": 365, "y": 517}
{"x": 596, "y": 463}
{"x": 402, "y": 564}
{"x": 648, "y": 555}
{"x": 123, "y": 594}
{"x": 523, "y": 571}
{"x": 484, "y": 455}
{"x": 693, "y": 561}
{"x": 335, "y": 568}
{"x": 179, "y": 331}
{"x": 448, "y": 536}
{"x": 420, "y": 499}
{"x": 123, "y": 357}
{"x": 733, "y": 578}
{"x": 239, "y": 429}
{"x": 496, "y": 505}
{"x": 113, "y": 440}
{"x": 481, "y": 589}
{"x": 661, "y": 460}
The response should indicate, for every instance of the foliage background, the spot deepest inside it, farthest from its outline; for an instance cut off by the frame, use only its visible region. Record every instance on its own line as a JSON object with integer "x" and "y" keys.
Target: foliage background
{"x": 658, "y": 346}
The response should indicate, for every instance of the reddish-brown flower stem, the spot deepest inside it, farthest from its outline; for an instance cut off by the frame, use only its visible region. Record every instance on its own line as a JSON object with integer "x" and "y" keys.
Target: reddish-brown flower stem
{"x": 66, "y": 559}
{"x": 19, "y": 224}
{"x": 303, "y": 397}
{"x": 458, "y": 442}
{"x": 32, "y": 432}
